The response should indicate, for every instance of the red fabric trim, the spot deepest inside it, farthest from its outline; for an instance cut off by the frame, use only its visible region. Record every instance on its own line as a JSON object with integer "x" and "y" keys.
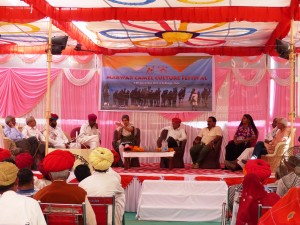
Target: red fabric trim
{"x": 233, "y": 180}
{"x": 173, "y": 178}
{"x": 142, "y": 178}
{"x": 126, "y": 180}
{"x": 19, "y": 14}
{"x": 187, "y": 14}
{"x": 203, "y": 178}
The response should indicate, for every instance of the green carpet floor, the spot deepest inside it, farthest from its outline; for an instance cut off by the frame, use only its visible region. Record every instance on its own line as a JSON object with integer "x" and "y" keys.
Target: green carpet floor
{"x": 130, "y": 220}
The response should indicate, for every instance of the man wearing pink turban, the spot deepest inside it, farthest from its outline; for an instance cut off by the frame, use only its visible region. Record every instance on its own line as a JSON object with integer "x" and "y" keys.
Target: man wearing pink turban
{"x": 89, "y": 133}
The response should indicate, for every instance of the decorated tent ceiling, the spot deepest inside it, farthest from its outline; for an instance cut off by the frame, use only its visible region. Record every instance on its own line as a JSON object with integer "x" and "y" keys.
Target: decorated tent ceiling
{"x": 156, "y": 27}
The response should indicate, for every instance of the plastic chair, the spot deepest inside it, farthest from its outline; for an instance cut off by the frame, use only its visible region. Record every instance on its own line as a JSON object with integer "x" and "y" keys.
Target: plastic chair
{"x": 211, "y": 161}
{"x": 103, "y": 207}
{"x": 73, "y": 136}
{"x": 64, "y": 214}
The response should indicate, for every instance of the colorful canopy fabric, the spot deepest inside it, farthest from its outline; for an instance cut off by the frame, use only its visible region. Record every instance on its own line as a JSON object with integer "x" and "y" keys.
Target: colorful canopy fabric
{"x": 156, "y": 27}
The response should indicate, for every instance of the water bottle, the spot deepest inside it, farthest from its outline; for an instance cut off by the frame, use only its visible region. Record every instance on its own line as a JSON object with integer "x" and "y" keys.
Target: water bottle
{"x": 164, "y": 146}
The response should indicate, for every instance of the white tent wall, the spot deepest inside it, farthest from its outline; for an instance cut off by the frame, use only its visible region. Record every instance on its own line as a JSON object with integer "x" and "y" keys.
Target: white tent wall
{"x": 150, "y": 123}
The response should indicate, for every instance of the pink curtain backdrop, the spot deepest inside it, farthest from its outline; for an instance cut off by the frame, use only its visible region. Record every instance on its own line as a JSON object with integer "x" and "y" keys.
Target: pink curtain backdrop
{"x": 22, "y": 89}
{"x": 248, "y": 95}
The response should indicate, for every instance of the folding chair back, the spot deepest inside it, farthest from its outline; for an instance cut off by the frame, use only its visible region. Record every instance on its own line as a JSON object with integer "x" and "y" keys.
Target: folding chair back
{"x": 104, "y": 208}
{"x": 64, "y": 214}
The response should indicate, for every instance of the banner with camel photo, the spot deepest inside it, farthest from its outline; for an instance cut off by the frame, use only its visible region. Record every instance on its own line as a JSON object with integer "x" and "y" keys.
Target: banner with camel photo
{"x": 149, "y": 83}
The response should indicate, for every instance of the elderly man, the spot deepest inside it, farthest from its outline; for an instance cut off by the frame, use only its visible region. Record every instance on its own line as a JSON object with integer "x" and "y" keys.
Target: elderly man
{"x": 104, "y": 182}
{"x": 15, "y": 208}
{"x": 57, "y": 138}
{"x": 26, "y": 145}
{"x": 30, "y": 130}
{"x": 89, "y": 133}
{"x": 204, "y": 142}
{"x": 58, "y": 163}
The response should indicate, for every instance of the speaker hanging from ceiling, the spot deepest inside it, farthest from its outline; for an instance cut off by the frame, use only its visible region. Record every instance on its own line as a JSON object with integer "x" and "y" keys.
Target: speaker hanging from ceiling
{"x": 283, "y": 49}
{"x": 58, "y": 44}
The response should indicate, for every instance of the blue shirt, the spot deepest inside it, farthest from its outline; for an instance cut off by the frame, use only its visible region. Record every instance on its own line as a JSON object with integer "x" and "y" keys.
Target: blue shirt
{"x": 13, "y": 133}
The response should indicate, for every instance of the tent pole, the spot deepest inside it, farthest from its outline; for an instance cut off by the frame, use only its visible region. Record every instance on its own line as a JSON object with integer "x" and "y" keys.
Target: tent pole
{"x": 292, "y": 81}
{"x": 49, "y": 61}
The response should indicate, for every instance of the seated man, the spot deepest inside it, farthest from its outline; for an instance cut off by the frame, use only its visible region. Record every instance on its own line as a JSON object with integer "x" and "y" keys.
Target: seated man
{"x": 30, "y": 130}
{"x": 29, "y": 145}
{"x": 103, "y": 182}
{"x": 89, "y": 133}
{"x": 15, "y": 208}
{"x": 174, "y": 137}
{"x": 58, "y": 163}
{"x": 57, "y": 138}
{"x": 239, "y": 163}
{"x": 26, "y": 182}
{"x": 204, "y": 142}
{"x": 126, "y": 137}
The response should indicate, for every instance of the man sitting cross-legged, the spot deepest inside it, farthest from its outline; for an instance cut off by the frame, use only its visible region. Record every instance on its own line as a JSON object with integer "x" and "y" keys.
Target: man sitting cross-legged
{"x": 204, "y": 142}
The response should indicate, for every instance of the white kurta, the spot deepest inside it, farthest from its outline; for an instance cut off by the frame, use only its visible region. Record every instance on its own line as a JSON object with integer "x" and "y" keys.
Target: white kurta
{"x": 57, "y": 137}
{"x": 89, "y": 136}
{"x": 18, "y": 209}
{"x": 33, "y": 132}
{"x": 106, "y": 184}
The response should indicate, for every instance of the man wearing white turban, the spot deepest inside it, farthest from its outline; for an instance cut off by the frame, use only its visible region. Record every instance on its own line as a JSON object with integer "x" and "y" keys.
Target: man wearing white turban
{"x": 103, "y": 182}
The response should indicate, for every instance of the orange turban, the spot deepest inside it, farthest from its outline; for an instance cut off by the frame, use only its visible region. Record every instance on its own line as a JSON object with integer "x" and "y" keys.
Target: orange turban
{"x": 176, "y": 120}
{"x": 259, "y": 167}
{"x": 24, "y": 160}
{"x": 4, "y": 154}
{"x": 58, "y": 160}
{"x": 53, "y": 116}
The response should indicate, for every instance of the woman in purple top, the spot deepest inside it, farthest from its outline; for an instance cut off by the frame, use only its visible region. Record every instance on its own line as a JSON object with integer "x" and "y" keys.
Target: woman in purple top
{"x": 245, "y": 133}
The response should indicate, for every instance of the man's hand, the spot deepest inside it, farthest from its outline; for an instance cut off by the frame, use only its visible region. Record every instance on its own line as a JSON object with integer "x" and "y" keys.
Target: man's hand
{"x": 119, "y": 124}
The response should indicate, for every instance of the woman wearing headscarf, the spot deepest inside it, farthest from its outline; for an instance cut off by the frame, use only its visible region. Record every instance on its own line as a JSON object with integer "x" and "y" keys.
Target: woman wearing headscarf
{"x": 253, "y": 194}
{"x": 244, "y": 135}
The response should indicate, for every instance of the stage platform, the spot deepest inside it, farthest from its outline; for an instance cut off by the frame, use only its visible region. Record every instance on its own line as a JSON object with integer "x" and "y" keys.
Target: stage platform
{"x": 132, "y": 178}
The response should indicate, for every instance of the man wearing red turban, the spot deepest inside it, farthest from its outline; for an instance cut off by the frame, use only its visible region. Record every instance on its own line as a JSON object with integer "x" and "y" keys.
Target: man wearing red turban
{"x": 4, "y": 154}
{"x": 89, "y": 133}
{"x": 57, "y": 138}
{"x": 58, "y": 163}
{"x": 175, "y": 134}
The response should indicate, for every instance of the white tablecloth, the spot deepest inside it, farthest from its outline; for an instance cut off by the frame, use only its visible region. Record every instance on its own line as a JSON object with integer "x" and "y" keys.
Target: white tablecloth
{"x": 148, "y": 154}
{"x": 162, "y": 200}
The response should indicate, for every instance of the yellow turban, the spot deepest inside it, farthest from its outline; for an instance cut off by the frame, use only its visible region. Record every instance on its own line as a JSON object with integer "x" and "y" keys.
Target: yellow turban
{"x": 101, "y": 158}
{"x": 8, "y": 173}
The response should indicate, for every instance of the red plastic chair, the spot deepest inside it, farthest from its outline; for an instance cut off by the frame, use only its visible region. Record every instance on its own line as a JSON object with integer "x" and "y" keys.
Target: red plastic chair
{"x": 64, "y": 214}
{"x": 101, "y": 207}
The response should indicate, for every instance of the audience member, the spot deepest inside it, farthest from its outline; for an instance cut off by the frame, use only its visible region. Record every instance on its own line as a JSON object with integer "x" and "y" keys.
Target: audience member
{"x": 4, "y": 154}
{"x": 15, "y": 208}
{"x": 285, "y": 211}
{"x": 282, "y": 135}
{"x": 204, "y": 142}
{"x": 292, "y": 179}
{"x": 29, "y": 145}
{"x": 24, "y": 160}
{"x": 58, "y": 163}
{"x": 57, "y": 138}
{"x": 238, "y": 164}
{"x": 258, "y": 167}
{"x": 245, "y": 133}
{"x": 253, "y": 193}
{"x": 126, "y": 137}
{"x": 82, "y": 171}
{"x": 30, "y": 130}
{"x": 26, "y": 182}
{"x": 104, "y": 183}
{"x": 89, "y": 133}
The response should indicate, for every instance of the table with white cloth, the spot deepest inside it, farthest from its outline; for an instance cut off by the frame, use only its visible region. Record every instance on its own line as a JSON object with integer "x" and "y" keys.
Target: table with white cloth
{"x": 81, "y": 155}
{"x": 131, "y": 154}
{"x": 162, "y": 200}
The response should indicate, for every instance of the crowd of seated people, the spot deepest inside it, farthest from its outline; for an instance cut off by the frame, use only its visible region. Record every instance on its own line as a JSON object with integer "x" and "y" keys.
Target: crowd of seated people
{"x": 58, "y": 163}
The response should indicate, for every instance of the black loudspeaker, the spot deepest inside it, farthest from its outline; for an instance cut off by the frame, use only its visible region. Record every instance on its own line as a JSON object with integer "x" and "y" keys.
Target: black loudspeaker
{"x": 283, "y": 49}
{"x": 58, "y": 44}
